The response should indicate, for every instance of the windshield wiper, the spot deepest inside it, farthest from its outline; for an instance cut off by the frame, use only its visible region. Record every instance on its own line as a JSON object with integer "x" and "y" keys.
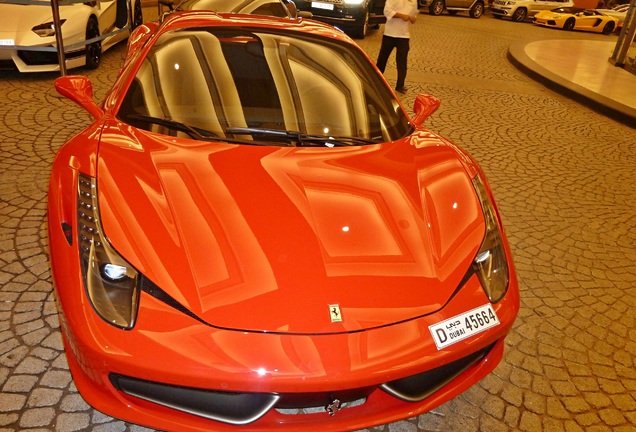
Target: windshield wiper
{"x": 300, "y": 138}
{"x": 192, "y": 131}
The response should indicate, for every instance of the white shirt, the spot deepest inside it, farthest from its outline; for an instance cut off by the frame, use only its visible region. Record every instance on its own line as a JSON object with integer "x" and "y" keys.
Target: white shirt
{"x": 397, "y": 27}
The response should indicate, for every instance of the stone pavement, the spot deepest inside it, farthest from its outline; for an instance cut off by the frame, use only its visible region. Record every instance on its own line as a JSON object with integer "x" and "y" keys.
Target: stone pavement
{"x": 563, "y": 176}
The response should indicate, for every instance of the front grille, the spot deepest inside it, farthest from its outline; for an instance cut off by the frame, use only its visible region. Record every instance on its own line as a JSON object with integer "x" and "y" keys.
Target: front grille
{"x": 42, "y": 58}
{"x": 38, "y": 58}
{"x": 418, "y": 387}
{"x": 236, "y": 408}
{"x": 310, "y": 402}
{"x": 244, "y": 408}
{"x": 316, "y": 409}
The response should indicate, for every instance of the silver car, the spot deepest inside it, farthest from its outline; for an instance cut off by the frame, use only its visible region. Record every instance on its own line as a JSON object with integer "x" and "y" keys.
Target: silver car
{"x": 519, "y": 10}
{"x": 475, "y": 8}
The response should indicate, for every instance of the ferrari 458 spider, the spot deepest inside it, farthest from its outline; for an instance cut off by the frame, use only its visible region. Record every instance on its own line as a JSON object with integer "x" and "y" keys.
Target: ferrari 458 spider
{"x": 254, "y": 234}
{"x": 27, "y": 33}
{"x": 571, "y": 18}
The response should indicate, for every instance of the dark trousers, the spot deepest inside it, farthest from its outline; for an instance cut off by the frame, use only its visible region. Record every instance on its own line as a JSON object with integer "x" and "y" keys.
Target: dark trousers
{"x": 401, "y": 46}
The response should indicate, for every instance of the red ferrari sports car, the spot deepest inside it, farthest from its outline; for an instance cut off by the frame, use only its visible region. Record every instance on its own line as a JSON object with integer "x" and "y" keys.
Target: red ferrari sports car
{"x": 253, "y": 234}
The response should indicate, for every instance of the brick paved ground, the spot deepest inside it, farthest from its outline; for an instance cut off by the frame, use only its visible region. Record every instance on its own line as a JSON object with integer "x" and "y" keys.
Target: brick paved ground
{"x": 564, "y": 177}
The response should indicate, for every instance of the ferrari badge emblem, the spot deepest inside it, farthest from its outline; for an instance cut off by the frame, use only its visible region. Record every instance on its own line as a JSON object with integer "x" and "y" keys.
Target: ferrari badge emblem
{"x": 334, "y": 311}
{"x": 333, "y": 407}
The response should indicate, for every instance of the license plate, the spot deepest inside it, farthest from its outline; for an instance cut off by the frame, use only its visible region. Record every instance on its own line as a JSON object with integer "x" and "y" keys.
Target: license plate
{"x": 7, "y": 42}
{"x": 463, "y": 326}
{"x": 319, "y": 5}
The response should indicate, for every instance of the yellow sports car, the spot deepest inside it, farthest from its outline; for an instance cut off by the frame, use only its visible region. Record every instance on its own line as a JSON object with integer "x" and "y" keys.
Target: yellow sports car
{"x": 572, "y": 18}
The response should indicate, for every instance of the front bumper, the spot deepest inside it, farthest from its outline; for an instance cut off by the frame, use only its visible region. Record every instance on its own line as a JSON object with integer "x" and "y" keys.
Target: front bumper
{"x": 39, "y": 58}
{"x": 383, "y": 374}
{"x": 545, "y": 22}
{"x": 502, "y": 11}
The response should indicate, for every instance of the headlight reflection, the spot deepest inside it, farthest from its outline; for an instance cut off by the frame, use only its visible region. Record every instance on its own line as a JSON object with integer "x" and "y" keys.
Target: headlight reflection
{"x": 490, "y": 263}
{"x": 110, "y": 281}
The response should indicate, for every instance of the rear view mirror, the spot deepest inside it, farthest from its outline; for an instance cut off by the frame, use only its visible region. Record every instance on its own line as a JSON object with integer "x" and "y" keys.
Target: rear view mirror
{"x": 79, "y": 89}
{"x": 424, "y": 106}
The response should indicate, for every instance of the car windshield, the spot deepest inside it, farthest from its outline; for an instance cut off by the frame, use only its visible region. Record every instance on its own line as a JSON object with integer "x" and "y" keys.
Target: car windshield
{"x": 567, "y": 10}
{"x": 255, "y": 7}
{"x": 262, "y": 87}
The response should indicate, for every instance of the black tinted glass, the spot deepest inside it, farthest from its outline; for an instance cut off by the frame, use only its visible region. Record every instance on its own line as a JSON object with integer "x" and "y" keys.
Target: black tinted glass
{"x": 218, "y": 80}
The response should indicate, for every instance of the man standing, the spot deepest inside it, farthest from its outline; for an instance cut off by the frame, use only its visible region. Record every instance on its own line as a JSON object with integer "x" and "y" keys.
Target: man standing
{"x": 400, "y": 14}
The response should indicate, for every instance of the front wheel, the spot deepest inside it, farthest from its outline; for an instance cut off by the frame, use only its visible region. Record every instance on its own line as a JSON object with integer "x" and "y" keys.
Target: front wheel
{"x": 569, "y": 24}
{"x": 477, "y": 10}
{"x": 436, "y": 8}
{"x": 609, "y": 28}
{"x": 520, "y": 15}
{"x": 94, "y": 49}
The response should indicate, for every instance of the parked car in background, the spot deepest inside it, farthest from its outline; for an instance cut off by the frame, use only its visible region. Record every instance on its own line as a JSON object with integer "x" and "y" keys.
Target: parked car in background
{"x": 27, "y": 34}
{"x": 571, "y": 18}
{"x": 352, "y": 16}
{"x": 475, "y": 8}
{"x": 611, "y": 4}
{"x": 253, "y": 234}
{"x": 619, "y": 12}
{"x": 275, "y": 8}
{"x": 519, "y": 10}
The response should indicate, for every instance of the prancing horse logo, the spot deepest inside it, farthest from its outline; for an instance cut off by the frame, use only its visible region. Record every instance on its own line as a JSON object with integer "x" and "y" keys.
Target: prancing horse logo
{"x": 334, "y": 311}
{"x": 334, "y": 407}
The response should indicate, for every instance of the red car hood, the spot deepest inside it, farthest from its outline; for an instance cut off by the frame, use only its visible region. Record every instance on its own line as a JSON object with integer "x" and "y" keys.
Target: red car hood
{"x": 263, "y": 238}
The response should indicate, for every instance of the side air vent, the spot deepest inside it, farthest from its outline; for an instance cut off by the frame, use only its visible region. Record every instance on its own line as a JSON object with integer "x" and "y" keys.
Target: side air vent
{"x": 418, "y": 387}
{"x": 232, "y": 408}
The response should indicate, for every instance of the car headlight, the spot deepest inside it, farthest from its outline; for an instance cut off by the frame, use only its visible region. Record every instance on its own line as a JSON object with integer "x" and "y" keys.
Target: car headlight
{"x": 490, "y": 263}
{"x": 46, "y": 29}
{"x": 111, "y": 282}
{"x": 353, "y": 2}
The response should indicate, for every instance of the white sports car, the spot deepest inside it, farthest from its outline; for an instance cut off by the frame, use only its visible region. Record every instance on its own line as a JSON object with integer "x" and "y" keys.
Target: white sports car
{"x": 27, "y": 34}
{"x": 619, "y": 12}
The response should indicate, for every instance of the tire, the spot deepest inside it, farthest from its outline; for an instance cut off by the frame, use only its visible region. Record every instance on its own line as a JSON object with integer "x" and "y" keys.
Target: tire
{"x": 436, "y": 8}
{"x": 93, "y": 50}
{"x": 520, "y": 14}
{"x": 569, "y": 24}
{"x": 362, "y": 30}
{"x": 609, "y": 28}
{"x": 477, "y": 10}
{"x": 138, "y": 17}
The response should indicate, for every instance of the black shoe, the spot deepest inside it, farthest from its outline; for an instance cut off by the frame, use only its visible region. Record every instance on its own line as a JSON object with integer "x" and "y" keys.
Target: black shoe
{"x": 401, "y": 89}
